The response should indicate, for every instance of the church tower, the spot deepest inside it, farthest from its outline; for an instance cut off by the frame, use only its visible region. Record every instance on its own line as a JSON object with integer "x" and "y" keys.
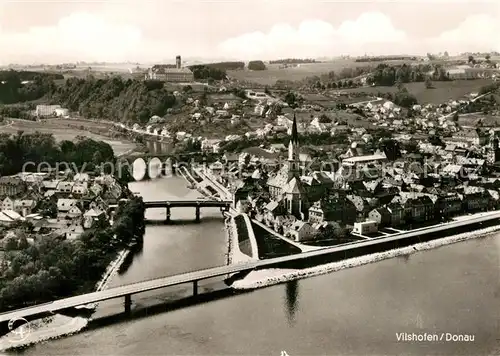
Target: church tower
{"x": 293, "y": 152}
{"x": 493, "y": 150}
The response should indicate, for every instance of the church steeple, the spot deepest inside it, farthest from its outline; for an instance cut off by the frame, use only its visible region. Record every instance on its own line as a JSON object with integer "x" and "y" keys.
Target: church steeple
{"x": 293, "y": 152}
{"x": 295, "y": 133}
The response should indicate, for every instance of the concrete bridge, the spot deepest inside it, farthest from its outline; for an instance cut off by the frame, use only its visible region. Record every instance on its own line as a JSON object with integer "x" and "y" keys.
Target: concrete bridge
{"x": 338, "y": 252}
{"x": 224, "y": 205}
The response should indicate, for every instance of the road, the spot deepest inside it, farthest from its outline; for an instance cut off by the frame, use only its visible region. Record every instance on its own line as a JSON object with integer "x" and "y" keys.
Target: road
{"x": 163, "y": 282}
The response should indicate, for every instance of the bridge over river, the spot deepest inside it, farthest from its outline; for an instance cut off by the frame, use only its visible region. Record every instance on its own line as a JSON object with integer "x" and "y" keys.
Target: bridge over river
{"x": 315, "y": 257}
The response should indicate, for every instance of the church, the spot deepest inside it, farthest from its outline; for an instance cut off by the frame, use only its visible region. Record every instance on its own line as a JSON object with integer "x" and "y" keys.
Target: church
{"x": 286, "y": 187}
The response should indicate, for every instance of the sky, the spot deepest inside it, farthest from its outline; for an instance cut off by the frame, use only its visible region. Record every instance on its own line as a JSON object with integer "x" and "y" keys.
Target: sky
{"x": 148, "y": 31}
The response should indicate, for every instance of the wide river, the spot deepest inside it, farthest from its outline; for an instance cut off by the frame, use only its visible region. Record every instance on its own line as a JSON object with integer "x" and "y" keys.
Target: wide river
{"x": 358, "y": 311}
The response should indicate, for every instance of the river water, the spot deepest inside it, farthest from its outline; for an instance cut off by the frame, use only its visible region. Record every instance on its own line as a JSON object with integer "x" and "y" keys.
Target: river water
{"x": 358, "y": 311}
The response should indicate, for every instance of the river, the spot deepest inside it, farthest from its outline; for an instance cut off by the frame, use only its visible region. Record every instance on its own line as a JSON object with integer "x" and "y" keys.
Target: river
{"x": 357, "y": 311}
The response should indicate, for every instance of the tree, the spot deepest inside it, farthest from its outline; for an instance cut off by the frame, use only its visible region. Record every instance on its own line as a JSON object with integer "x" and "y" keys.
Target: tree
{"x": 455, "y": 116}
{"x": 471, "y": 59}
{"x": 11, "y": 244}
{"x": 256, "y": 65}
{"x": 428, "y": 83}
{"x": 324, "y": 119}
{"x": 487, "y": 57}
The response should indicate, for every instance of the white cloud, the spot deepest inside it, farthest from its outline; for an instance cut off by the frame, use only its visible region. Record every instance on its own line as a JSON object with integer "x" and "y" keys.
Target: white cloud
{"x": 82, "y": 36}
{"x": 373, "y": 32}
{"x": 477, "y": 33}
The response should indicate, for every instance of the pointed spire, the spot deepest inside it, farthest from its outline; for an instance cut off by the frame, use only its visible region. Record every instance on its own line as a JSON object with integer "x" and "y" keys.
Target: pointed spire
{"x": 295, "y": 134}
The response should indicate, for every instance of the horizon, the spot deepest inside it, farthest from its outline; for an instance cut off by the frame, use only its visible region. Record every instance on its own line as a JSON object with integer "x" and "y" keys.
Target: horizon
{"x": 156, "y": 31}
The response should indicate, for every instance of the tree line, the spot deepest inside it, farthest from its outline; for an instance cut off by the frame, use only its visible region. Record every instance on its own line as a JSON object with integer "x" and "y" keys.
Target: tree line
{"x": 293, "y": 61}
{"x": 83, "y": 152}
{"x": 205, "y": 72}
{"x": 387, "y": 75}
{"x": 385, "y": 58}
{"x": 223, "y": 66}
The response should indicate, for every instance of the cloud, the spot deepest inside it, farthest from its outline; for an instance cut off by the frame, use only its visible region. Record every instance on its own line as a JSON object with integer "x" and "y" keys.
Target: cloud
{"x": 477, "y": 33}
{"x": 80, "y": 36}
{"x": 372, "y": 31}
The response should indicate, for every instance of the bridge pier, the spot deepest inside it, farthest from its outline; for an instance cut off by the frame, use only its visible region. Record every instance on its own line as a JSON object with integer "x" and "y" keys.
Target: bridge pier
{"x": 195, "y": 288}
{"x": 167, "y": 219}
{"x": 128, "y": 303}
{"x": 197, "y": 218}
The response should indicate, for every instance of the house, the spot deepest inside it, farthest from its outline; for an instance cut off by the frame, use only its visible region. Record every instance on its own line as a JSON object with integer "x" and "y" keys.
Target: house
{"x": 91, "y": 216}
{"x": 216, "y": 169}
{"x": 46, "y": 110}
{"x": 65, "y": 187}
{"x": 449, "y": 205}
{"x": 74, "y": 212}
{"x": 8, "y": 217}
{"x": 397, "y": 214}
{"x": 81, "y": 177}
{"x": 11, "y": 186}
{"x": 301, "y": 231}
{"x": 271, "y": 211}
{"x": 418, "y": 208}
{"x": 8, "y": 204}
{"x": 80, "y": 188}
{"x": 381, "y": 216}
{"x": 64, "y": 206}
{"x": 210, "y": 145}
{"x": 365, "y": 227}
{"x": 229, "y": 158}
{"x": 74, "y": 231}
{"x": 24, "y": 206}
{"x": 337, "y": 209}
{"x": 467, "y": 137}
{"x": 475, "y": 200}
{"x": 364, "y": 160}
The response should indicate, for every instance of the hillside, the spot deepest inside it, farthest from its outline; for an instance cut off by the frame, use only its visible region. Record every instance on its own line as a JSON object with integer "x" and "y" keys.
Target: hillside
{"x": 114, "y": 98}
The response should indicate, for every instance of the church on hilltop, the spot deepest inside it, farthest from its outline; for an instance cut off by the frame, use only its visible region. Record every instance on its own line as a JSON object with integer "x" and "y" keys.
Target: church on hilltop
{"x": 286, "y": 187}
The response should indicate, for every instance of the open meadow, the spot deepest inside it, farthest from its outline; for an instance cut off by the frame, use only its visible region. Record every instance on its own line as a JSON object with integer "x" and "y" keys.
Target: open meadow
{"x": 440, "y": 93}
{"x": 274, "y": 73}
{"x": 67, "y": 130}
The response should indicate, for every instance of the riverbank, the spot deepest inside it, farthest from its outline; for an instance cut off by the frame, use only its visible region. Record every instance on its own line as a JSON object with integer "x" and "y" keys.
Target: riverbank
{"x": 269, "y": 277}
{"x": 59, "y": 325}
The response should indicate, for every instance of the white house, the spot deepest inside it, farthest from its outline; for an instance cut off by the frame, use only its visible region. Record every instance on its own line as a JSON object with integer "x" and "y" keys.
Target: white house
{"x": 64, "y": 206}
{"x": 80, "y": 188}
{"x": 24, "y": 206}
{"x": 65, "y": 187}
{"x": 91, "y": 216}
{"x": 74, "y": 231}
{"x": 301, "y": 231}
{"x": 81, "y": 177}
{"x": 8, "y": 204}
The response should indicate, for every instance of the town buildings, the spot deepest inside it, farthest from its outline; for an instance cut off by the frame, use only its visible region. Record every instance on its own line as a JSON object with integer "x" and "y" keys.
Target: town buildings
{"x": 169, "y": 73}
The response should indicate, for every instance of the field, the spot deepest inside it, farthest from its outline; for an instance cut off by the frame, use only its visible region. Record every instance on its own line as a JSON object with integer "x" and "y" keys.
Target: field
{"x": 472, "y": 120}
{"x": 59, "y": 128}
{"x": 442, "y": 91}
{"x": 274, "y": 73}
